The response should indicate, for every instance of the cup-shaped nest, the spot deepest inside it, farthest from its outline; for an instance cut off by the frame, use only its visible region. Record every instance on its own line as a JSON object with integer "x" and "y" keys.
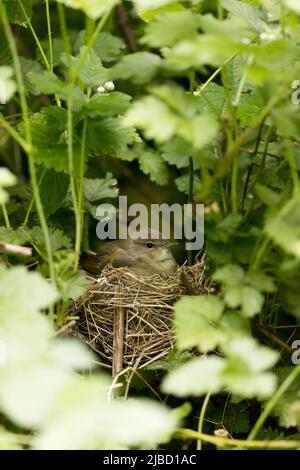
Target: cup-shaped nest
{"x": 129, "y": 315}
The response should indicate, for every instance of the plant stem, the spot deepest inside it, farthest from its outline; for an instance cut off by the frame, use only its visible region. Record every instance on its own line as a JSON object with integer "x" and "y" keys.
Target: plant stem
{"x": 5, "y": 215}
{"x": 201, "y": 418}
{"x": 274, "y": 400}
{"x": 27, "y": 129}
{"x": 63, "y": 28}
{"x": 49, "y": 35}
{"x": 80, "y": 197}
{"x": 37, "y": 41}
{"x": 14, "y": 134}
{"x": 234, "y": 178}
{"x": 226, "y": 442}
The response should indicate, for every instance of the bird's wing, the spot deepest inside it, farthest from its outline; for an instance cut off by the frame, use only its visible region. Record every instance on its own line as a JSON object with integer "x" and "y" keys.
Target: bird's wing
{"x": 111, "y": 254}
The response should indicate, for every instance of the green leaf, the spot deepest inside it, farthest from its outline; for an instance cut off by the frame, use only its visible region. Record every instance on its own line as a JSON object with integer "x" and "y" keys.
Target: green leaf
{"x": 196, "y": 322}
{"x": 206, "y": 49}
{"x": 72, "y": 285}
{"x": 54, "y": 184}
{"x": 114, "y": 137}
{"x": 92, "y": 8}
{"x": 247, "y": 12}
{"x": 34, "y": 293}
{"x": 167, "y": 29}
{"x": 111, "y": 104}
{"x": 139, "y": 67}
{"x": 230, "y": 275}
{"x": 92, "y": 72}
{"x": 107, "y": 47}
{"x": 171, "y": 112}
{"x": 267, "y": 195}
{"x": 283, "y": 227}
{"x": 196, "y": 377}
{"x": 96, "y": 188}
{"x": 49, "y": 83}
{"x": 152, "y": 164}
{"x": 248, "y": 298}
{"x": 30, "y": 66}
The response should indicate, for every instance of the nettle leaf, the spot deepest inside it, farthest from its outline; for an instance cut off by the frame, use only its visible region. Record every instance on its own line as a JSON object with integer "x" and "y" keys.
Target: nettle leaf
{"x": 249, "y": 299}
{"x": 49, "y": 83}
{"x": 96, "y": 188}
{"x": 107, "y": 47}
{"x": 196, "y": 377}
{"x": 19, "y": 12}
{"x": 152, "y": 164}
{"x": 234, "y": 26}
{"x": 71, "y": 285}
{"x": 58, "y": 239}
{"x": 283, "y": 227}
{"x": 92, "y": 8}
{"x": 287, "y": 407}
{"x": 139, "y": 67}
{"x": 55, "y": 185}
{"x": 171, "y": 112}
{"x": 205, "y": 49}
{"x": 30, "y": 66}
{"x": 182, "y": 183}
{"x": 111, "y": 104}
{"x": 178, "y": 152}
{"x": 8, "y": 86}
{"x": 243, "y": 373}
{"x": 34, "y": 292}
{"x": 167, "y": 29}
{"x": 114, "y": 137}
{"x": 92, "y": 72}
{"x": 196, "y": 322}
{"x": 244, "y": 289}
{"x": 247, "y": 12}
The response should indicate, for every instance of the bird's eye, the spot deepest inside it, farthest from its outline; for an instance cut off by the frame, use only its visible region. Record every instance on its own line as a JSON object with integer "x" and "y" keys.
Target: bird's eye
{"x": 149, "y": 245}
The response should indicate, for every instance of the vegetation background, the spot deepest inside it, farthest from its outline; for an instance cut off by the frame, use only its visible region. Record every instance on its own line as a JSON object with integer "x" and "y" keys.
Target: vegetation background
{"x": 164, "y": 101}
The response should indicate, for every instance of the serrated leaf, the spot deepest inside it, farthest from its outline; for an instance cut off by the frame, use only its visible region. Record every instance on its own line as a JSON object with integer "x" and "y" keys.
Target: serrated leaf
{"x": 167, "y": 29}
{"x": 247, "y": 12}
{"x": 107, "y": 47}
{"x": 53, "y": 190}
{"x": 139, "y": 67}
{"x": 34, "y": 293}
{"x": 112, "y": 104}
{"x": 96, "y": 189}
{"x": 152, "y": 164}
{"x": 114, "y": 137}
{"x": 196, "y": 322}
{"x": 92, "y": 72}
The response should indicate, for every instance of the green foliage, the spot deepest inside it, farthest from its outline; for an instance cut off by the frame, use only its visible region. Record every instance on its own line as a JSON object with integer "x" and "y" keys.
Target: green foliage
{"x": 189, "y": 101}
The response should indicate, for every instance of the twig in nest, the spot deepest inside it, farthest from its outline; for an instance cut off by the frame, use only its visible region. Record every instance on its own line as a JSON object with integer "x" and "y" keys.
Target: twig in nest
{"x": 16, "y": 249}
{"x": 118, "y": 341}
{"x": 126, "y": 28}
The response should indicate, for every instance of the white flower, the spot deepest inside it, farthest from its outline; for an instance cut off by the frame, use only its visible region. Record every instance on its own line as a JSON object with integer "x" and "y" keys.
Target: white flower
{"x": 101, "y": 89}
{"x": 109, "y": 86}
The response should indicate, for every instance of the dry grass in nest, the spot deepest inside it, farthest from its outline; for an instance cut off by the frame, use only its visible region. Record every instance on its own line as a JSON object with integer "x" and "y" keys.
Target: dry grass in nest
{"x": 127, "y": 318}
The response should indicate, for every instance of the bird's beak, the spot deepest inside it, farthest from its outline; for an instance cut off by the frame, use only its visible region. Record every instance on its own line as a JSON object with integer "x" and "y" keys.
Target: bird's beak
{"x": 169, "y": 244}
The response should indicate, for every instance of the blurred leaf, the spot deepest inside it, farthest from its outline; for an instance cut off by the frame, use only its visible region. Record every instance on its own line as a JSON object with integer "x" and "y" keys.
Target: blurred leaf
{"x": 196, "y": 322}
{"x": 54, "y": 184}
{"x": 96, "y": 188}
{"x": 167, "y": 29}
{"x": 92, "y": 8}
{"x": 139, "y": 67}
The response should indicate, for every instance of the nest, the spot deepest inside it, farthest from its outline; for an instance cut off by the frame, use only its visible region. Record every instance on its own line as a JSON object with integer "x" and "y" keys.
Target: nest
{"x": 127, "y": 318}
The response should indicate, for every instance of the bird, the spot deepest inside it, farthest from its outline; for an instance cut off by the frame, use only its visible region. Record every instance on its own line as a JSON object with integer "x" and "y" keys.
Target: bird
{"x": 147, "y": 253}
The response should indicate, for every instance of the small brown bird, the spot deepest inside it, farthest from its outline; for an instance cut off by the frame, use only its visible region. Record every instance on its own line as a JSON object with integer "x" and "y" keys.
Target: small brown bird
{"x": 147, "y": 255}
